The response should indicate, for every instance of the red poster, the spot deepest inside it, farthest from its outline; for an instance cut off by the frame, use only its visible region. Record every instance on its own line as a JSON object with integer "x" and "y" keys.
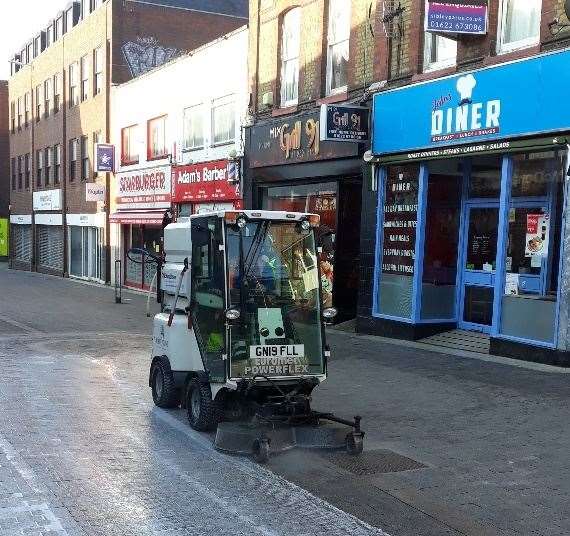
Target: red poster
{"x": 532, "y": 223}
{"x": 205, "y": 182}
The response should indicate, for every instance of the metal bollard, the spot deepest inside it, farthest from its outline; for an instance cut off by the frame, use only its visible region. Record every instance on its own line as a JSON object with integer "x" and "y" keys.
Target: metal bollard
{"x": 118, "y": 282}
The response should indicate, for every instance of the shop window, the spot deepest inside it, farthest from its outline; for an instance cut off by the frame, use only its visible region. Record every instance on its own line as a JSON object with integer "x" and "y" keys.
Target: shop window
{"x": 39, "y": 101}
{"x": 84, "y": 66}
{"x": 129, "y": 146}
{"x": 439, "y": 288}
{"x": 39, "y": 167}
{"x": 338, "y": 46}
{"x": 28, "y": 172}
{"x": 194, "y": 127}
{"x": 223, "y": 121}
{"x": 399, "y": 241}
{"x": 485, "y": 177}
{"x": 97, "y": 70}
{"x": 73, "y": 84}
{"x": 47, "y": 97}
{"x": 156, "y": 138}
{"x": 56, "y": 93}
{"x": 529, "y": 301}
{"x": 439, "y": 52}
{"x": 519, "y": 24}
{"x": 319, "y": 199}
{"x": 290, "y": 47}
{"x": 57, "y": 164}
{"x": 48, "y": 165}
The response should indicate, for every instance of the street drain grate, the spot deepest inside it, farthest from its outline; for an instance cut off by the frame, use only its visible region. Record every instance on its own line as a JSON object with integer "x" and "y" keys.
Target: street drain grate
{"x": 372, "y": 462}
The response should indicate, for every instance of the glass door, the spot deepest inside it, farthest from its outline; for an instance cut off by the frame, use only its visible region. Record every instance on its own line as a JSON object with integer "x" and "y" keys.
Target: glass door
{"x": 479, "y": 269}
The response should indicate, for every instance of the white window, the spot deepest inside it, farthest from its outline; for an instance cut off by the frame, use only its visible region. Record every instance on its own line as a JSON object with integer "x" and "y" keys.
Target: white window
{"x": 98, "y": 70}
{"x": 290, "y": 46}
{"x": 129, "y": 147}
{"x": 73, "y": 83}
{"x": 223, "y": 121}
{"x": 338, "y": 45}
{"x": 84, "y": 78}
{"x": 156, "y": 138}
{"x": 520, "y": 24}
{"x": 194, "y": 127}
{"x": 439, "y": 52}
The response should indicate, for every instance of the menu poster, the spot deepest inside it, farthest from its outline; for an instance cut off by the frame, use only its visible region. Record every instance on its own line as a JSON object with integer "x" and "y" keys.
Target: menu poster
{"x": 537, "y": 231}
{"x": 400, "y": 220}
{"x": 512, "y": 285}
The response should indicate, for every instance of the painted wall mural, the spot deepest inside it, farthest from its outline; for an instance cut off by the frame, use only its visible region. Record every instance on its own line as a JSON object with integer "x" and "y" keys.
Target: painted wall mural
{"x": 146, "y": 53}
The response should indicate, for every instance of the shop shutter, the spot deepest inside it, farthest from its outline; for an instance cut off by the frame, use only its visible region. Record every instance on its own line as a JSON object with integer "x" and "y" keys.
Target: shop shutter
{"x": 50, "y": 247}
{"x": 22, "y": 242}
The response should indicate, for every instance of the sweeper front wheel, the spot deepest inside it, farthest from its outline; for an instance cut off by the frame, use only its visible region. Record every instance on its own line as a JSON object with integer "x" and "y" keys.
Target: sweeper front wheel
{"x": 164, "y": 392}
{"x": 355, "y": 443}
{"x": 203, "y": 413}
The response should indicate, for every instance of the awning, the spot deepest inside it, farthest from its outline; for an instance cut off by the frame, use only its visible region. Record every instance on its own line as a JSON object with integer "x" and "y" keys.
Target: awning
{"x": 137, "y": 218}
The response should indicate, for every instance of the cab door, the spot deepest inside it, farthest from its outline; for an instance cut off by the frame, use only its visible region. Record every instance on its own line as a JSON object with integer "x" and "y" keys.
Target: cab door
{"x": 208, "y": 294}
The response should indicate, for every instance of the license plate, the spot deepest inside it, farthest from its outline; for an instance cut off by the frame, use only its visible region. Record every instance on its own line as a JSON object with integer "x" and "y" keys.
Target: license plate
{"x": 291, "y": 351}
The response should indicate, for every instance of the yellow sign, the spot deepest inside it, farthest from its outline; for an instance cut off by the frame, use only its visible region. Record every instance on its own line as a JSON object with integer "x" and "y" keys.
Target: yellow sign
{"x": 290, "y": 137}
{"x": 3, "y": 237}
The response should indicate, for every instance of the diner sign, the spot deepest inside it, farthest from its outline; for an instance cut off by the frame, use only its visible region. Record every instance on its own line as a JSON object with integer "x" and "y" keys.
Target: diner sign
{"x": 459, "y": 16}
{"x": 400, "y": 220}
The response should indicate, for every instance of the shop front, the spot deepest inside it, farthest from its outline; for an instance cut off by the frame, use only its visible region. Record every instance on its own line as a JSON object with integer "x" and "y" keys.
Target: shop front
{"x": 142, "y": 198}
{"x": 21, "y": 244}
{"x": 289, "y": 168}
{"x": 471, "y": 218}
{"x": 48, "y": 228}
{"x": 206, "y": 187}
{"x": 86, "y": 246}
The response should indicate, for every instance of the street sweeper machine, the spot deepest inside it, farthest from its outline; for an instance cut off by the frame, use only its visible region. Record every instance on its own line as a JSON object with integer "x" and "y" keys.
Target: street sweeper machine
{"x": 240, "y": 342}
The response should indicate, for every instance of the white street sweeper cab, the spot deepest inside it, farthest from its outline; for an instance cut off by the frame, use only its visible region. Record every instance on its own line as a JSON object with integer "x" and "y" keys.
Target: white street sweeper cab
{"x": 241, "y": 342}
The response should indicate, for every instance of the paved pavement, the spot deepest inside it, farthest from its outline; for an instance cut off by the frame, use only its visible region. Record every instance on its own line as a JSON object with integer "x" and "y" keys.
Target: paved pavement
{"x": 455, "y": 446}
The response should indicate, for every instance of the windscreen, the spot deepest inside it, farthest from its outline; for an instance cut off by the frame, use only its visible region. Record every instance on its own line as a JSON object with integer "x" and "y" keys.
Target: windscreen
{"x": 273, "y": 281}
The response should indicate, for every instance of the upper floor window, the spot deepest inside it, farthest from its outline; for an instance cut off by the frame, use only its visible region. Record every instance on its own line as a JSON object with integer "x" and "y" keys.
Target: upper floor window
{"x": 223, "y": 121}
{"x": 84, "y": 142}
{"x": 28, "y": 171}
{"x": 47, "y": 97}
{"x": 338, "y": 45}
{"x": 13, "y": 116}
{"x": 20, "y": 173}
{"x": 13, "y": 167}
{"x": 20, "y": 111}
{"x": 39, "y": 166}
{"x": 73, "y": 83}
{"x": 27, "y": 108}
{"x": 72, "y": 159}
{"x": 57, "y": 164}
{"x": 194, "y": 127}
{"x": 439, "y": 52}
{"x": 129, "y": 152}
{"x": 39, "y": 102}
{"x": 56, "y": 92}
{"x": 290, "y": 46}
{"x": 156, "y": 138}
{"x": 84, "y": 78}
{"x": 48, "y": 164}
{"x": 97, "y": 70}
{"x": 520, "y": 24}
{"x": 58, "y": 28}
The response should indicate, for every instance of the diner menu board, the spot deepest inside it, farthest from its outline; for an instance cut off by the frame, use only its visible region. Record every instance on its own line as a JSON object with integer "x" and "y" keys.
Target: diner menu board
{"x": 400, "y": 220}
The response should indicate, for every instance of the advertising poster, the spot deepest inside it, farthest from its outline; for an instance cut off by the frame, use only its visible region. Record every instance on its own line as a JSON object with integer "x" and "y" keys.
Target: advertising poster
{"x": 459, "y": 16}
{"x": 537, "y": 231}
{"x": 3, "y": 237}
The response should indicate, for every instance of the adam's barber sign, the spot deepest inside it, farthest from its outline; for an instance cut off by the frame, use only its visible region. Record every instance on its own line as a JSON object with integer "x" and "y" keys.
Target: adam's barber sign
{"x": 522, "y": 98}
{"x": 148, "y": 188}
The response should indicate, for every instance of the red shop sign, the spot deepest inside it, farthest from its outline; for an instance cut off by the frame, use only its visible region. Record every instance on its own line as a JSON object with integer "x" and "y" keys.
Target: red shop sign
{"x": 205, "y": 182}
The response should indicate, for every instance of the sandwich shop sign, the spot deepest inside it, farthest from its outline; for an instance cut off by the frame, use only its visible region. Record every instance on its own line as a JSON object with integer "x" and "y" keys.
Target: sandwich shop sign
{"x": 522, "y": 98}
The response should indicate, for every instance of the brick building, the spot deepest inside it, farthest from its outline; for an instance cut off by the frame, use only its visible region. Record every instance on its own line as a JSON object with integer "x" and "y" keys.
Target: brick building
{"x": 59, "y": 109}
{"x": 4, "y": 169}
{"x": 302, "y": 55}
{"x": 465, "y": 224}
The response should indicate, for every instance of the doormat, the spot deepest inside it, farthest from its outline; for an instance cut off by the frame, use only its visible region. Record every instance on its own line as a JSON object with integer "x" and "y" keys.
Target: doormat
{"x": 372, "y": 462}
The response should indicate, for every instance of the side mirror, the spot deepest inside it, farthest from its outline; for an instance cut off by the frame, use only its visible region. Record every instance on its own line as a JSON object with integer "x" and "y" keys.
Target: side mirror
{"x": 232, "y": 315}
{"x": 329, "y": 314}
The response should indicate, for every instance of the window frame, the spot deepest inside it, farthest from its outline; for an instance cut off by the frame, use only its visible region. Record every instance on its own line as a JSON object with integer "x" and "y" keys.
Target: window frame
{"x": 98, "y": 70}
{"x": 13, "y": 116}
{"x": 72, "y": 159}
{"x": 56, "y": 164}
{"x": 39, "y": 167}
{"x": 84, "y": 78}
{"x": 132, "y": 158}
{"x": 56, "y": 92}
{"x": 429, "y": 65}
{"x": 200, "y": 108}
{"x": 149, "y": 150}
{"x": 13, "y": 173}
{"x": 39, "y": 102}
{"x": 84, "y": 157}
{"x": 228, "y": 100}
{"x": 73, "y": 84}
{"x": 27, "y": 108}
{"x": 27, "y": 170}
{"x": 47, "y": 166}
{"x": 47, "y": 96}
{"x": 331, "y": 45}
{"x": 284, "y": 103}
{"x": 20, "y": 173}
{"x": 505, "y": 48}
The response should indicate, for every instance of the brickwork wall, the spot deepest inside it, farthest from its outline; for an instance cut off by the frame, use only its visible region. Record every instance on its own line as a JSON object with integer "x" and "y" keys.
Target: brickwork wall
{"x": 4, "y": 150}
{"x": 264, "y": 53}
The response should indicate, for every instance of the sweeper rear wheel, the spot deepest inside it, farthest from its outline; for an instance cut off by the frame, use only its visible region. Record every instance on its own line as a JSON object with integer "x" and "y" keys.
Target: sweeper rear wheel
{"x": 203, "y": 412}
{"x": 261, "y": 450}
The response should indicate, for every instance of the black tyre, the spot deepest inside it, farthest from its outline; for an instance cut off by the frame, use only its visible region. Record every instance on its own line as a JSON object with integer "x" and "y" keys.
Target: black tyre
{"x": 203, "y": 412}
{"x": 261, "y": 450}
{"x": 164, "y": 392}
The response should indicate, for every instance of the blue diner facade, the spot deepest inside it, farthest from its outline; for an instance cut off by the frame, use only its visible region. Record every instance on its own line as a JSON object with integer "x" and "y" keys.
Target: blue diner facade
{"x": 466, "y": 213}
